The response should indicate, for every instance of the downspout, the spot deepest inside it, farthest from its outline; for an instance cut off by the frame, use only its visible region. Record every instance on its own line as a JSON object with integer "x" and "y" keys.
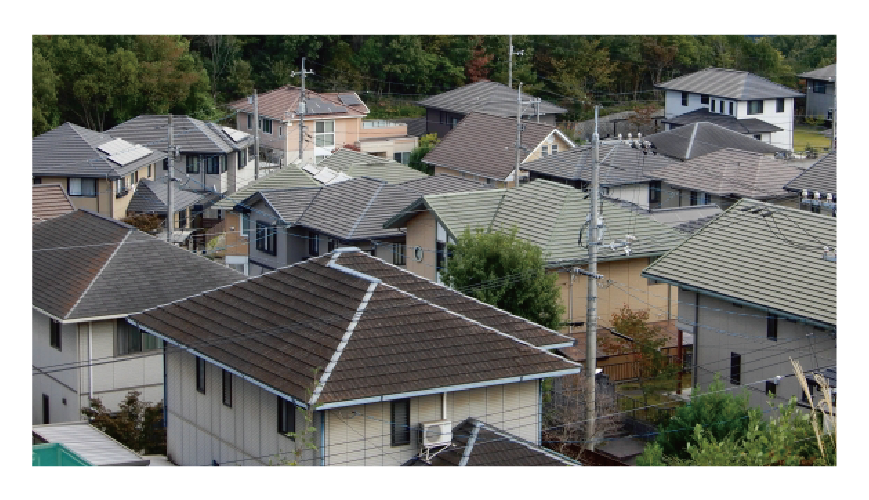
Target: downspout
{"x": 570, "y": 301}
{"x": 443, "y": 406}
{"x": 694, "y": 350}
{"x": 90, "y": 360}
{"x": 322, "y": 438}
{"x": 539, "y": 412}
{"x": 165, "y": 387}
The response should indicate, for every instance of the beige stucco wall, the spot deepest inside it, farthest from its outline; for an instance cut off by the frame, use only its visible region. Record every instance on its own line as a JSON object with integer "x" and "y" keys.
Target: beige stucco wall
{"x": 421, "y": 232}
{"x": 549, "y": 141}
{"x": 388, "y": 147}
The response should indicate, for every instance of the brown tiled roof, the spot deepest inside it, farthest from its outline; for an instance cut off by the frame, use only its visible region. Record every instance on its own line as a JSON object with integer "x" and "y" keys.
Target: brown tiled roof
{"x": 50, "y": 200}
{"x": 668, "y": 328}
{"x": 368, "y": 338}
{"x": 283, "y": 102}
{"x": 485, "y": 145}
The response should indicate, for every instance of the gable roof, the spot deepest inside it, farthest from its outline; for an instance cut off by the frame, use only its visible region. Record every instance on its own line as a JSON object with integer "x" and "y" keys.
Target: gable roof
{"x": 820, "y": 177}
{"x": 687, "y": 219}
{"x": 827, "y": 73}
{"x": 547, "y": 214}
{"x": 619, "y": 164}
{"x": 697, "y": 139}
{"x": 729, "y": 83}
{"x": 485, "y": 97}
{"x": 743, "y": 126}
{"x": 49, "y": 200}
{"x": 731, "y": 173}
{"x": 485, "y": 145}
{"x": 86, "y": 265}
{"x": 356, "y": 164}
{"x": 287, "y": 177}
{"x": 189, "y": 134}
{"x": 283, "y": 104}
{"x": 72, "y": 151}
{"x": 763, "y": 255}
{"x": 371, "y": 341}
{"x": 152, "y": 197}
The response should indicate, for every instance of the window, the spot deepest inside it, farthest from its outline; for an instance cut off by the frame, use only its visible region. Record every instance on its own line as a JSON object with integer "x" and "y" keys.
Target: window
{"x": 721, "y": 106}
{"x": 330, "y": 244}
{"x": 829, "y": 115}
{"x": 399, "y": 418}
{"x": 453, "y": 122}
{"x": 655, "y": 194}
{"x": 325, "y": 134}
{"x": 440, "y": 255}
{"x": 731, "y": 109}
{"x": 684, "y": 98}
{"x": 227, "y": 389}
{"x": 241, "y": 158}
{"x": 165, "y": 163}
{"x": 554, "y": 148}
{"x": 245, "y": 225}
{"x": 712, "y": 108}
{"x": 735, "y": 368}
{"x": 816, "y": 209}
{"x": 82, "y": 187}
{"x": 442, "y": 117}
{"x": 265, "y": 125}
{"x": 55, "y": 335}
{"x": 200, "y": 375}
{"x": 45, "y": 419}
{"x": 120, "y": 186}
{"x": 694, "y": 196}
{"x": 403, "y": 157}
{"x": 770, "y": 387}
{"x": 37, "y": 180}
{"x": 399, "y": 254}
{"x": 780, "y": 105}
{"x": 755, "y": 107}
{"x": 544, "y": 150}
{"x": 249, "y": 122}
{"x": 313, "y": 244}
{"x": 707, "y": 199}
{"x": 286, "y": 416}
{"x": 192, "y": 164}
{"x": 134, "y": 177}
{"x": 266, "y": 238}
{"x": 130, "y": 339}
{"x": 149, "y": 171}
{"x": 758, "y": 137}
{"x": 212, "y": 164}
{"x": 772, "y": 327}
{"x": 182, "y": 219}
{"x": 811, "y": 384}
{"x": 819, "y": 87}
{"x": 704, "y": 99}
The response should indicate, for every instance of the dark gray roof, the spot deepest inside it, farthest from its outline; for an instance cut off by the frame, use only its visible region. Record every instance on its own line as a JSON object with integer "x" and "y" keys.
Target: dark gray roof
{"x": 86, "y": 265}
{"x": 486, "y": 97}
{"x": 49, "y": 200}
{"x": 369, "y": 339}
{"x": 820, "y": 177}
{"x": 152, "y": 197}
{"x": 415, "y": 126}
{"x": 743, "y": 126}
{"x": 190, "y": 135}
{"x": 703, "y": 138}
{"x": 619, "y": 164}
{"x": 686, "y": 219}
{"x": 729, "y": 83}
{"x": 71, "y": 151}
{"x": 342, "y": 159}
{"x": 827, "y": 73}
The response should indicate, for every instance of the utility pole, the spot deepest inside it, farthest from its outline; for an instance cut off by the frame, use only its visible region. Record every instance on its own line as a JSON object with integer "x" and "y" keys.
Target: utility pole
{"x": 518, "y": 131}
{"x": 170, "y": 214}
{"x": 510, "y": 62}
{"x": 591, "y": 312}
{"x": 833, "y": 132}
{"x": 302, "y": 109}
{"x": 255, "y": 136}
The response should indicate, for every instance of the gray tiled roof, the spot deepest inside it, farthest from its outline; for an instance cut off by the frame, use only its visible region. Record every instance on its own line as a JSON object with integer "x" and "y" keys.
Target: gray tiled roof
{"x": 49, "y": 200}
{"x": 697, "y": 139}
{"x": 765, "y": 255}
{"x": 619, "y": 164}
{"x": 190, "y": 135}
{"x": 86, "y": 265}
{"x": 290, "y": 176}
{"x": 485, "y": 97}
{"x": 279, "y": 327}
{"x": 356, "y": 164}
{"x": 71, "y": 151}
{"x": 729, "y": 83}
{"x": 152, "y": 197}
{"x": 282, "y": 104}
{"x": 820, "y": 177}
{"x": 731, "y": 172}
{"x": 827, "y": 73}
{"x": 687, "y": 219}
{"x": 485, "y": 145}
{"x": 743, "y": 126}
{"x": 344, "y": 158}
{"x": 415, "y": 126}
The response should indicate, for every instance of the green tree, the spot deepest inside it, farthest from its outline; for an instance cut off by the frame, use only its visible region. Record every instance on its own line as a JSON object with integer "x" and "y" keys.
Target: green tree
{"x": 426, "y": 143}
{"x": 138, "y": 425}
{"x": 500, "y": 269}
{"x": 46, "y": 114}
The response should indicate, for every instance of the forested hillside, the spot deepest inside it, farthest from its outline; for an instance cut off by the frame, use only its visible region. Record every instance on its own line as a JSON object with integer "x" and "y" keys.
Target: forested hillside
{"x": 99, "y": 81}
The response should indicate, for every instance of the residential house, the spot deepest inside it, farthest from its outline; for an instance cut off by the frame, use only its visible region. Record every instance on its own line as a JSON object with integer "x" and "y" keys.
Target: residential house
{"x": 627, "y": 124}
{"x": 209, "y": 156}
{"x": 817, "y": 186}
{"x": 698, "y": 139}
{"x": 820, "y": 92}
{"x": 445, "y": 110}
{"x": 752, "y": 127}
{"x": 552, "y": 216}
{"x": 355, "y": 164}
{"x": 90, "y": 273}
{"x": 49, "y": 200}
{"x": 365, "y": 347}
{"x": 756, "y": 288}
{"x": 152, "y": 197}
{"x": 291, "y": 225}
{"x": 99, "y": 171}
{"x": 387, "y": 139}
{"x": 483, "y": 147}
{"x": 735, "y": 93}
{"x": 686, "y": 219}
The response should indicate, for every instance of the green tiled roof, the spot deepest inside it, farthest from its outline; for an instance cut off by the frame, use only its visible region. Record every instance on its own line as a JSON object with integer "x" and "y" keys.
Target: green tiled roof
{"x": 391, "y": 173}
{"x": 290, "y": 176}
{"x": 761, "y": 254}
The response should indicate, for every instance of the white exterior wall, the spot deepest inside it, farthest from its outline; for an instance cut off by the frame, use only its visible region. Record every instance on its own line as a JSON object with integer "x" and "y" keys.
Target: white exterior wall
{"x": 634, "y": 193}
{"x": 58, "y": 385}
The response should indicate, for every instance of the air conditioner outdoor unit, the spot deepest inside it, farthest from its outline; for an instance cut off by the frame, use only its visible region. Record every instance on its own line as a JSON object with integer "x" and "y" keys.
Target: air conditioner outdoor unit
{"x": 436, "y": 433}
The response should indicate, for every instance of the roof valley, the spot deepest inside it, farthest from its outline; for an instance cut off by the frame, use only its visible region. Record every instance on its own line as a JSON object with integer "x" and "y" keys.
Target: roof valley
{"x": 365, "y": 210}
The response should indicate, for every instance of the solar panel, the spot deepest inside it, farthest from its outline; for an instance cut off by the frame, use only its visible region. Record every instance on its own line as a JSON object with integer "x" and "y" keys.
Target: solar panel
{"x": 114, "y": 146}
{"x": 130, "y": 155}
{"x": 317, "y": 106}
{"x": 341, "y": 177}
{"x": 349, "y": 99}
{"x": 325, "y": 175}
{"x": 311, "y": 169}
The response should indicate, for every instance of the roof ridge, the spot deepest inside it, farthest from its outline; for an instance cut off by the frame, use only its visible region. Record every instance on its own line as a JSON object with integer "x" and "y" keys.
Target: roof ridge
{"x": 466, "y": 454}
{"x": 516, "y": 439}
{"x": 367, "y": 207}
{"x": 99, "y": 273}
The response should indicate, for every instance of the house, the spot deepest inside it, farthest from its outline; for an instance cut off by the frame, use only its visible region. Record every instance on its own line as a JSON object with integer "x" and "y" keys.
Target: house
{"x": 331, "y": 121}
{"x": 49, "y": 200}
{"x": 354, "y": 344}
{"x": 753, "y": 127}
{"x": 98, "y": 171}
{"x": 756, "y": 288}
{"x": 90, "y": 273}
{"x": 686, "y": 219}
{"x": 551, "y": 216}
{"x": 483, "y": 147}
{"x": 291, "y": 225}
{"x": 820, "y": 92}
{"x": 152, "y": 197}
{"x": 359, "y": 164}
{"x": 724, "y": 176}
{"x": 88, "y": 443}
{"x": 817, "y": 186}
{"x": 735, "y": 93}
{"x": 623, "y": 123}
{"x": 445, "y": 110}
{"x": 698, "y": 139}
{"x": 209, "y": 156}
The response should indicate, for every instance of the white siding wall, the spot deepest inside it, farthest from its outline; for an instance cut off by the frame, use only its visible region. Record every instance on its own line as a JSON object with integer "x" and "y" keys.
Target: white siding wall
{"x": 60, "y": 384}
{"x": 634, "y": 193}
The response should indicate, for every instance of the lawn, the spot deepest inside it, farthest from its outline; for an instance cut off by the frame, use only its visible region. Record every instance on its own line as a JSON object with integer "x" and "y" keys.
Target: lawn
{"x": 809, "y": 135}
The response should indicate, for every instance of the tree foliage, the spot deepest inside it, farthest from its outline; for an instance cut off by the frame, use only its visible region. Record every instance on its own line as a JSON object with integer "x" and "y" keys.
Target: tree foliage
{"x": 426, "y": 143}
{"x": 144, "y": 222}
{"x": 138, "y": 425}
{"x": 500, "y": 269}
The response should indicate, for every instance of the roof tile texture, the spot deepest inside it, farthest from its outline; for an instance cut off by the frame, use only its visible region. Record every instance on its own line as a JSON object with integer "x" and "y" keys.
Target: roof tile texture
{"x": 49, "y": 200}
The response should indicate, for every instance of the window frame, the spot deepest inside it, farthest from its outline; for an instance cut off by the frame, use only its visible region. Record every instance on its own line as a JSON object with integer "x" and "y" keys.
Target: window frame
{"x": 553, "y": 149}
{"x": 249, "y": 121}
{"x": 544, "y": 151}
{"x": 286, "y": 417}
{"x": 81, "y": 191}
{"x": 226, "y": 388}
{"x": 758, "y": 107}
{"x": 440, "y": 255}
{"x": 731, "y": 108}
{"x": 704, "y": 99}
{"x": 771, "y": 327}
{"x": 200, "y": 375}
{"x": 123, "y": 348}
{"x": 685, "y": 98}
{"x": 818, "y": 84}
{"x": 399, "y": 254}
{"x": 182, "y": 219}
{"x": 46, "y": 410}
{"x": 212, "y": 164}
{"x": 55, "y": 334}
{"x": 395, "y": 427}
{"x": 265, "y": 125}
{"x": 655, "y": 188}
{"x": 770, "y": 388}
{"x": 266, "y": 237}
{"x": 780, "y": 105}
{"x": 193, "y": 164}
{"x": 721, "y": 107}
{"x": 757, "y": 137}
{"x": 712, "y": 108}
{"x": 694, "y": 198}
{"x": 165, "y": 163}
{"x": 402, "y": 157}
{"x": 735, "y": 369}
{"x": 324, "y": 134}
{"x": 313, "y": 244}
{"x": 707, "y": 199}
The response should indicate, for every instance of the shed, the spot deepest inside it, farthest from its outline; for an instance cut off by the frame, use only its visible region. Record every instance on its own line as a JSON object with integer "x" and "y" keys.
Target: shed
{"x": 88, "y": 443}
